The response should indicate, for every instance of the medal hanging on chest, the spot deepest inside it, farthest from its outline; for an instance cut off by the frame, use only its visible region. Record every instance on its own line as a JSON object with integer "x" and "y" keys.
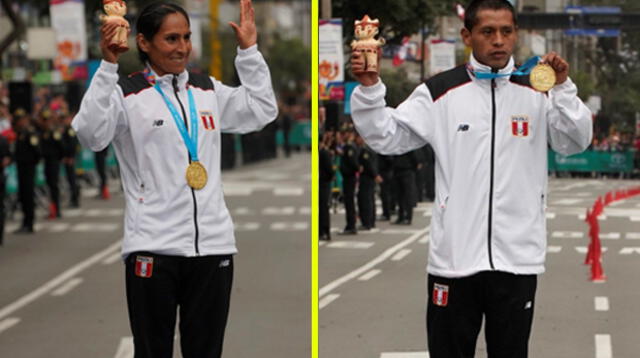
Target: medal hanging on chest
{"x": 196, "y": 175}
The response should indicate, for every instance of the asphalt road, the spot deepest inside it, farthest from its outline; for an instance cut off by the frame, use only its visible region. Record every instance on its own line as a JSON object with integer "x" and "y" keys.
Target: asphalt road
{"x": 62, "y": 292}
{"x": 373, "y": 285}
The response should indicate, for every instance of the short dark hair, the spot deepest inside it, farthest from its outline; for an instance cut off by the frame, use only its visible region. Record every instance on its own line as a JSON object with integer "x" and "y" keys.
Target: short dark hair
{"x": 471, "y": 12}
{"x": 150, "y": 20}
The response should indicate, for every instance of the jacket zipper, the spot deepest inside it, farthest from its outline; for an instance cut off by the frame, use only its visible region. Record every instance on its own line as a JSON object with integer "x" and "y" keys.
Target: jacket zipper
{"x": 174, "y": 82}
{"x": 493, "y": 141}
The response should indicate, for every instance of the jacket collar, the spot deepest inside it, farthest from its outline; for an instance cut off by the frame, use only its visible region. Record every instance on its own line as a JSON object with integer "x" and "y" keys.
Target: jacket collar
{"x": 165, "y": 80}
{"x": 474, "y": 66}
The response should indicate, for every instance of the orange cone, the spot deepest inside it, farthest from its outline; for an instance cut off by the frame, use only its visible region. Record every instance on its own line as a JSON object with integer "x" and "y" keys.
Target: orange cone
{"x": 105, "y": 193}
{"x": 597, "y": 274}
{"x": 53, "y": 211}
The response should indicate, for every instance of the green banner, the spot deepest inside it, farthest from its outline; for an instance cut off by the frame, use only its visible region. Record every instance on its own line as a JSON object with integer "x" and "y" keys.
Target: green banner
{"x": 592, "y": 161}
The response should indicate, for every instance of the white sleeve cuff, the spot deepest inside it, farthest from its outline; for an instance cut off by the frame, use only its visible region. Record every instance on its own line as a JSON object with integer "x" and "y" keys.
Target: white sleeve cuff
{"x": 248, "y": 51}
{"x": 108, "y": 66}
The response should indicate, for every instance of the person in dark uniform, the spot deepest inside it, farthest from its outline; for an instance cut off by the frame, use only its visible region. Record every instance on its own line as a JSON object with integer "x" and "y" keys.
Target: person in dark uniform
{"x": 27, "y": 155}
{"x": 70, "y": 146}
{"x": 5, "y": 160}
{"x": 368, "y": 178}
{"x": 349, "y": 168}
{"x": 385, "y": 169}
{"x": 52, "y": 149}
{"x": 101, "y": 168}
{"x": 327, "y": 173}
{"x": 404, "y": 167}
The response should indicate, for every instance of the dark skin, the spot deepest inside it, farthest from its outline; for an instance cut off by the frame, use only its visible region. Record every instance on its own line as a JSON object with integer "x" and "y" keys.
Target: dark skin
{"x": 492, "y": 40}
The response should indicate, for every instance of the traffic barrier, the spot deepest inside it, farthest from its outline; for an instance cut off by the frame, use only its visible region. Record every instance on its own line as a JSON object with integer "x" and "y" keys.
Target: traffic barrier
{"x": 594, "y": 250}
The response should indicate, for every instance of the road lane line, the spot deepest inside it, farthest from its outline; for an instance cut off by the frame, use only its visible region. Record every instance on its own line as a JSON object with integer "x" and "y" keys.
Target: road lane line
{"x": 603, "y": 346}
{"x": 550, "y": 215}
{"x": 583, "y": 249}
{"x": 328, "y": 299}
{"x": 8, "y": 323}
{"x": 610, "y": 235}
{"x": 554, "y": 249}
{"x": 55, "y": 282}
{"x": 67, "y": 287}
{"x": 633, "y": 236}
{"x": 568, "y": 234}
{"x": 288, "y": 191}
{"x": 350, "y": 244}
{"x": 371, "y": 264}
{"x": 401, "y": 254}
{"x": 369, "y": 275}
{"x": 629, "y": 250}
{"x": 125, "y": 349}
{"x": 601, "y": 303}
{"x": 112, "y": 259}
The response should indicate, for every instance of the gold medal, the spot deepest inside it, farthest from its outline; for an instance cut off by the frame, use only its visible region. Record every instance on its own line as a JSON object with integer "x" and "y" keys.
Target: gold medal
{"x": 196, "y": 175}
{"x": 542, "y": 77}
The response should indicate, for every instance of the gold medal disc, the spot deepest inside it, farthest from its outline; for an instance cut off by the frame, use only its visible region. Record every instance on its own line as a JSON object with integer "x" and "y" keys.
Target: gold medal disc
{"x": 196, "y": 175}
{"x": 542, "y": 77}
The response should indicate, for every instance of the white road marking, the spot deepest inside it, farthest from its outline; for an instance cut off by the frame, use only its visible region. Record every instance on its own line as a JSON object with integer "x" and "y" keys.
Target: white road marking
{"x": 583, "y": 249}
{"x": 634, "y": 218}
{"x": 554, "y": 249}
{"x": 112, "y": 259}
{"x": 601, "y": 303}
{"x": 243, "y": 210}
{"x": 237, "y": 191}
{"x": 103, "y": 212}
{"x": 248, "y": 226}
{"x": 350, "y": 244}
{"x": 600, "y": 217}
{"x": 322, "y": 243}
{"x": 424, "y": 240}
{"x": 399, "y": 231}
{"x": 401, "y": 254}
{"x": 427, "y": 213}
{"x": 58, "y": 227}
{"x": 304, "y": 210}
{"x": 550, "y": 215}
{"x": 8, "y": 323}
{"x": 369, "y": 275}
{"x": 404, "y": 355}
{"x": 72, "y": 213}
{"x": 92, "y": 227}
{"x": 567, "y": 202}
{"x": 125, "y": 349}
{"x": 273, "y": 210}
{"x": 633, "y": 236}
{"x": 610, "y": 235}
{"x": 289, "y": 226}
{"x": 55, "y": 282}
{"x": 603, "y": 346}
{"x": 568, "y": 234}
{"x": 629, "y": 250}
{"x": 288, "y": 191}
{"x": 67, "y": 286}
{"x": 371, "y": 264}
{"x": 327, "y": 299}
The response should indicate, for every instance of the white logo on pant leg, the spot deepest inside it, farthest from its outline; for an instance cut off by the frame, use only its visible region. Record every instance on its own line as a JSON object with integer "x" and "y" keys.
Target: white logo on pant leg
{"x": 224, "y": 263}
{"x": 528, "y": 305}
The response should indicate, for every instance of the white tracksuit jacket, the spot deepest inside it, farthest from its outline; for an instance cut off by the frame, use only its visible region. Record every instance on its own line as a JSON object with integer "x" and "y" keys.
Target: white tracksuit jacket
{"x": 163, "y": 214}
{"x": 491, "y": 161}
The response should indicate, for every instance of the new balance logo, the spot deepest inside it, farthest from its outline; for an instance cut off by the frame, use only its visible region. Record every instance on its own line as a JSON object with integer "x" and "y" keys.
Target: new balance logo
{"x": 158, "y": 122}
{"x": 463, "y": 128}
{"x": 224, "y": 263}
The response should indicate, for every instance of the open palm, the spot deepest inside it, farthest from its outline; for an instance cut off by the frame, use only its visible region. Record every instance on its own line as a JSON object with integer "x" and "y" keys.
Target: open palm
{"x": 246, "y": 32}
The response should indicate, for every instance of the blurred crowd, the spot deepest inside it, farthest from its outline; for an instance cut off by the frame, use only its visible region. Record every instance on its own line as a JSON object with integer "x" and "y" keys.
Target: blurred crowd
{"x": 353, "y": 175}
{"x": 41, "y": 137}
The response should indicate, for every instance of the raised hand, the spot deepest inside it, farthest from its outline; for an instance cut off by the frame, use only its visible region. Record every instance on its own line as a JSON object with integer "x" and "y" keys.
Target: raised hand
{"x": 246, "y": 32}
{"x": 559, "y": 65}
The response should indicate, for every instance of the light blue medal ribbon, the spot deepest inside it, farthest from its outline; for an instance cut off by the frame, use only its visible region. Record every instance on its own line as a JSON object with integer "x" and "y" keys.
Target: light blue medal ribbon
{"x": 523, "y": 70}
{"x": 190, "y": 142}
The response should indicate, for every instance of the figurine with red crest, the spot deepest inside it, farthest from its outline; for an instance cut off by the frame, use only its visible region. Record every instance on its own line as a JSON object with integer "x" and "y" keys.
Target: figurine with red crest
{"x": 365, "y": 43}
{"x": 116, "y": 9}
